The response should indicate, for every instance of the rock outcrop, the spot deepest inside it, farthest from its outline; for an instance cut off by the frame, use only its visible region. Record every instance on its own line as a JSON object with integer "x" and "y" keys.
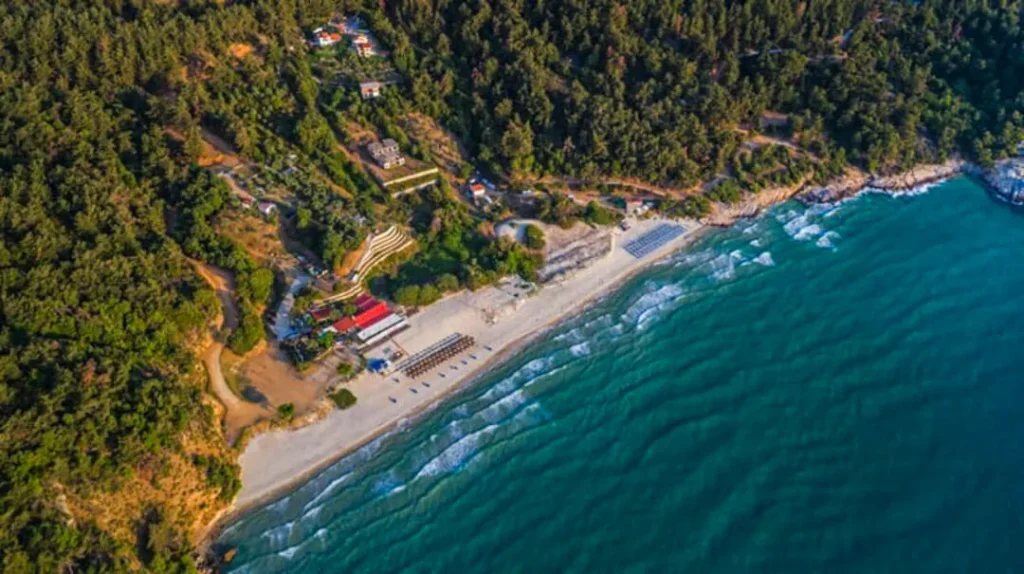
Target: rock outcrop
{"x": 1006, "y": 180}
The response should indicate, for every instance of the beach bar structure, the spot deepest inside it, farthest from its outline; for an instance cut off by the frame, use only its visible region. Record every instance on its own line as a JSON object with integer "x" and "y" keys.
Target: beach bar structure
{"x": 369, "y": 311}
{"x": 373, "y": 323}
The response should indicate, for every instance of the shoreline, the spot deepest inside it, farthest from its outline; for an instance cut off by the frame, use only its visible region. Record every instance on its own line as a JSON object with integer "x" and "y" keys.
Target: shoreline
{"x": 843, "y": 188}
{"x": 617, "y": 271}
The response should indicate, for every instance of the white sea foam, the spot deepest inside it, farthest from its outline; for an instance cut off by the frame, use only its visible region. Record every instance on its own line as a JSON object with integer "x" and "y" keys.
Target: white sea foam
{"x": 287, "y": 553}
{"x": 794, "y": 225}
{"x": 651, "y": 305}
{"x": 765, "y": 259}
{"x": 334, "y": 484}
{"x": 723, "y": 267}
{"x": 580, "y": 350}
{"x": 822, "y": 209}
{"x": 389, "y": 484}
{"x": 497, "y": 410}
{"x": 602, "y": 321}
{"x": 542, "y": 376}
{"x": 279, "y": 505}
{"x": 826, "y": 240}
{"x": 500, "y": 389}
{"x": 807, "y": 232}
{"x": 572, "y": 336}
{"x": 456, "y": 454}
{"x": 321, "y": 534}
{"x": 230, "y": 529}
{"x": 651, "y": 301}
{"x": 526, "y": 372}
{"x": 279, "y": 534}
{"x": 789, "y": 215}
{"x": 690, "y": 259}
{"x": 312, "y": 514}
{"x": 756, "y": 243}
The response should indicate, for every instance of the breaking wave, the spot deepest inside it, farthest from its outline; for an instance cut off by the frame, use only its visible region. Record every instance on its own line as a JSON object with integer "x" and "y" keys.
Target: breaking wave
{"x": 649, "y": 304}
{"x": 451, "y": 458}
{"x": 580, "y": 350}
{"x": 287, "y": 553}
{"x": 809, "y": 231}
{"x": 826, "y": 240}
{"x": 334, "y": 484}
{"x": 765, "y": 259}
{"x": 279, "y": 534}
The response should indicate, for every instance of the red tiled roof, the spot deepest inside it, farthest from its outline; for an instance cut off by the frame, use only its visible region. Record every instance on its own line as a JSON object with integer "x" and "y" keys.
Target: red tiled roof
{"x": 344, "y": 325}
{"x": 371, "y": 322}
{"x": 320, "y": 314}
{"x": 364, "y": 302}
{"x": 372, "y": 315}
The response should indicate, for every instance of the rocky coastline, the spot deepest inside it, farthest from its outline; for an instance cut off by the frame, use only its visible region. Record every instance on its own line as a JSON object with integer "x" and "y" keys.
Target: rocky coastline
{"x": 1005, "y": 181}
{"x": 856, "y": 181}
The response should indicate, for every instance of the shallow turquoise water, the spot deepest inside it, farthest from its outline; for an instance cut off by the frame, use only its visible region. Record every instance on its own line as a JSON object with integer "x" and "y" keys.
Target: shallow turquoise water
{"x": 819, "y": 390}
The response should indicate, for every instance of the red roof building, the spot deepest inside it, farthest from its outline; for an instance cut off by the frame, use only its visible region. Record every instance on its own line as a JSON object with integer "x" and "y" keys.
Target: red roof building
{"x": 372, "y": 315}
{"x": 364, "y": 302}
{"x": 324, "y": 39}
{"x": 344, "y": 325}
{"x": 320, "y": 315}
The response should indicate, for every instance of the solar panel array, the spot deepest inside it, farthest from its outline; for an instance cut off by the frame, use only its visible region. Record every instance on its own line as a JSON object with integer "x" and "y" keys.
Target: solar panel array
{"x": 653, "y": 239}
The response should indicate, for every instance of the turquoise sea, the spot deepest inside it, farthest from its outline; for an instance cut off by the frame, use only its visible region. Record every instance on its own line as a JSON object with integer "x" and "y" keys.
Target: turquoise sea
{"x": 827, "y": 389}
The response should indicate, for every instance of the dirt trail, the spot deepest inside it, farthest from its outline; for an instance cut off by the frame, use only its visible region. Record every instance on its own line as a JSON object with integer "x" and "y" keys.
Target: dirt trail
{"x": 239, "y": 413}
{"x": 621, "y": 182}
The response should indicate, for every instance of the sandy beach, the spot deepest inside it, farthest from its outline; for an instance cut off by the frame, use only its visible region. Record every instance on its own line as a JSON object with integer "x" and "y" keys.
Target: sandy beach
{"x": 495, "y": 317}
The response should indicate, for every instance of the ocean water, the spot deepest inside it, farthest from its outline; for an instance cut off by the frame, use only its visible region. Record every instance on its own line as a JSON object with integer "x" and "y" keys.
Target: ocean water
{"x": 827, "y": 389}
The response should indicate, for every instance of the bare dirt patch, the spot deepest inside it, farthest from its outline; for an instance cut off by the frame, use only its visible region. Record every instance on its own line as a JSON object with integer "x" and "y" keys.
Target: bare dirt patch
{"x": 241, "y": 50}
{"x": 267, "y": 375}
{"x": 259, "y": 237}
{"x": 446, "y": 149}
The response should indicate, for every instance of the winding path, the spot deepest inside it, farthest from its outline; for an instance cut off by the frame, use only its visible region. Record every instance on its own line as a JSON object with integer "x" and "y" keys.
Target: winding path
{"x": 239, "y": 413}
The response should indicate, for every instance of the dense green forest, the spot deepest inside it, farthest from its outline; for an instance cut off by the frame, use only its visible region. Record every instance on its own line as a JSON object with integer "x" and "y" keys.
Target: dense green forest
{"x": 657, "y": 89}
{"x": 100, "y": 207}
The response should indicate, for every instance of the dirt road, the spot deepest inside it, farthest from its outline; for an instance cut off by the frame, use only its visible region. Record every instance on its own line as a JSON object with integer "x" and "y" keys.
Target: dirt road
{"x": 239, "y": 413}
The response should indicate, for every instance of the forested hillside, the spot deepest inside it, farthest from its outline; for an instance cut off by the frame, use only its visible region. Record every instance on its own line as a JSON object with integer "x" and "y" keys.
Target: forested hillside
{"x": 103, "y": 425}
{"x": 655, "y": 89}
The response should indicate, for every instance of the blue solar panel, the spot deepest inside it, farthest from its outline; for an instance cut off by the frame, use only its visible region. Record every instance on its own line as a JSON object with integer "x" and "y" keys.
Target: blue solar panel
{"x": 653, "y": 239}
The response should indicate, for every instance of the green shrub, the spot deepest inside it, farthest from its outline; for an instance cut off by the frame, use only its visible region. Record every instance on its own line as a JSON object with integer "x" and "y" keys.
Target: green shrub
{"x": 597, "y": 214}
{"x": 407, "y": 295}
{"x": 249, "y": 331}
{"x": 346, "y": 370}
{"x": 220, "y": 474}
{"x": 343, "y": 398}
{"x": 447, "y": 283}
{"x": 534, "y": 237}
{"x": 428, "y": 294}
{"x": 286, "y": 411}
